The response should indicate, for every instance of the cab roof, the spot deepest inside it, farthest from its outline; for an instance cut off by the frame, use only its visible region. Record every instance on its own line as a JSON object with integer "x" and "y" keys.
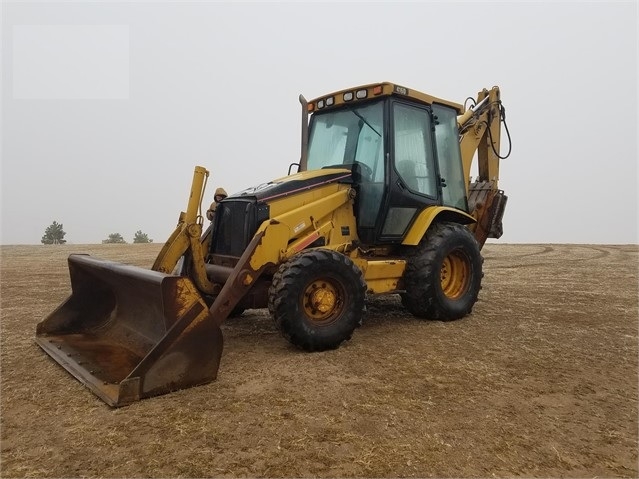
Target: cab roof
{"x": 375, "y": 90}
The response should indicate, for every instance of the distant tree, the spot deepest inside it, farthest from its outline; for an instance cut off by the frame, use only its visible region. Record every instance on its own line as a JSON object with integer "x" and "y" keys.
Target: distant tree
{"x": 141, "y": 237}
{"x": 114, "y": 238}
{"x": 54, "y": 234}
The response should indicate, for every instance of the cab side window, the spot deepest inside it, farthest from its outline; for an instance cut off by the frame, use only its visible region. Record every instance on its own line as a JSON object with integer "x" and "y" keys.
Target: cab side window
{"x": 449, "y": 157}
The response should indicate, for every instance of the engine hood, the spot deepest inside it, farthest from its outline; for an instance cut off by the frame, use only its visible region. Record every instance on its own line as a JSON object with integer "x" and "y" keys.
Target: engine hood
{"x": 296, "y": 183}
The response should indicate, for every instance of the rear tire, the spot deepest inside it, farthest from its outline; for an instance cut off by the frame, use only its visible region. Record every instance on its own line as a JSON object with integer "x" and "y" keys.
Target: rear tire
{"x": 317, "y": 299}
{"x": 443, "y": 275}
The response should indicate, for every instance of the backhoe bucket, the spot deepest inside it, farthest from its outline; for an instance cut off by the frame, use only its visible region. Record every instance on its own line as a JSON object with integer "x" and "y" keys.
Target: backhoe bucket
{"x": 128, "y": 333}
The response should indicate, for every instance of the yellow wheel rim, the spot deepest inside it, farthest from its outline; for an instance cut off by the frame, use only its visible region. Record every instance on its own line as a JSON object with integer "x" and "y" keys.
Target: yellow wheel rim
{"x": 455, "y": 275}
{"x": 322, "y": 301}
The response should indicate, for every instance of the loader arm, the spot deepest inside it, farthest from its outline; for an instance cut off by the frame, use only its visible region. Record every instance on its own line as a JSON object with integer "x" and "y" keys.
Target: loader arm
{"x": 187, "y": 238}
{"x": 129, "y": 333}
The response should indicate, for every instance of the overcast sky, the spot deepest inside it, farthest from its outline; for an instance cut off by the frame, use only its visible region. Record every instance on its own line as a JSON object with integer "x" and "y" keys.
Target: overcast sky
{"x": 108, "y": 107}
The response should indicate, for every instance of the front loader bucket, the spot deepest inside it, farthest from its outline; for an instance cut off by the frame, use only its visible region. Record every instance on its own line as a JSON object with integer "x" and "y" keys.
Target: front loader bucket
{"x": 128, "y": 333}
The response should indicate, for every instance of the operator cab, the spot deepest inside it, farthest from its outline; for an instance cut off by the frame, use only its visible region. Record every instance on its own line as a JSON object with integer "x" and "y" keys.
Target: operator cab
{"x": 403, "y": 149}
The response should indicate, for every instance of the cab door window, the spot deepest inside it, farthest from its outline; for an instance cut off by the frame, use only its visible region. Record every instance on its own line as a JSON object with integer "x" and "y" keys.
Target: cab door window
{"x": 412, "y": 149}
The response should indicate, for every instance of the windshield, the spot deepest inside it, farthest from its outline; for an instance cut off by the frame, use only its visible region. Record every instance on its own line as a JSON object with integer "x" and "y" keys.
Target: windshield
{"x": 346, "y": 136}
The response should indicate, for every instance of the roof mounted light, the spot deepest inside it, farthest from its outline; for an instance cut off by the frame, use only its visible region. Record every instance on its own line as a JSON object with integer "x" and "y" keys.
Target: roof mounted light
{"x": 361, "y": 94}
{"x": 320, "y": 104}
{"x": 348, "y": 96}
{"x": 329, "y": 101}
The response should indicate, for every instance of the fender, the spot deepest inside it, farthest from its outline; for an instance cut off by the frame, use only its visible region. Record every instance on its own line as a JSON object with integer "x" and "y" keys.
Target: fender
{"x": 428, "y": 216}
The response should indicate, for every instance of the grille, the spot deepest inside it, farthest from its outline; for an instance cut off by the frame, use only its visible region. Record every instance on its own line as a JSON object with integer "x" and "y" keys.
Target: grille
{"x": 236, "y": 222}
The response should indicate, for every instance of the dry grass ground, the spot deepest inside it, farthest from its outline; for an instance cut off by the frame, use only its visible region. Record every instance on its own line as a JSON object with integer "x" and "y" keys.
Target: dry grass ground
{"x": 540, "y": 381}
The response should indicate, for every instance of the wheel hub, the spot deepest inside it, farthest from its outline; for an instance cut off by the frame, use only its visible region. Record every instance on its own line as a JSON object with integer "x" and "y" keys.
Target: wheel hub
{"x": 455, "y": 275}
{"x": 321, "y": 301}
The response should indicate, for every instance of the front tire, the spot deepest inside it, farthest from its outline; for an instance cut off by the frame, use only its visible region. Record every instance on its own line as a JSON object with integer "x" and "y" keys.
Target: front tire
{"x": 317, "y": 299}
{"x": 443, "y": 276}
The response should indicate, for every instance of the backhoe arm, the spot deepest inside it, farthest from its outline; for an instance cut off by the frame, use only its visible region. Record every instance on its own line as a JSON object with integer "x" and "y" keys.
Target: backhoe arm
{"x": 480, "y": 132}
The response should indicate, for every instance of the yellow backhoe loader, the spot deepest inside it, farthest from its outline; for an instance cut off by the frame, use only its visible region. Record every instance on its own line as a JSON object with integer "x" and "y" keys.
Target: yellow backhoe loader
{"x": 381, "y": 202}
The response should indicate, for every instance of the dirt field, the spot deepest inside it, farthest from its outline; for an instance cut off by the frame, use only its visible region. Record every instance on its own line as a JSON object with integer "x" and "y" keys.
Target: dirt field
{"x": 540, "y": 381}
